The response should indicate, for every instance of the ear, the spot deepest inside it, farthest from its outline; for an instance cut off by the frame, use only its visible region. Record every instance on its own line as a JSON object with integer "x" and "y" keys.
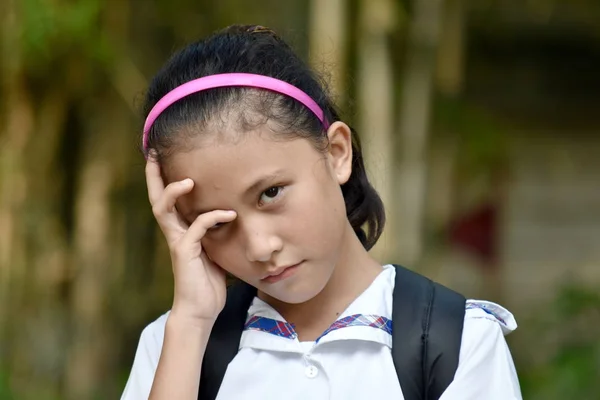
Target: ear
{"x": 339, "y": 151}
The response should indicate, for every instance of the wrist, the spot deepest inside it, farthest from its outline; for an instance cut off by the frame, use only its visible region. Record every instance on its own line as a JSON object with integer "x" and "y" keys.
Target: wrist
{"x": 180, "y": 320}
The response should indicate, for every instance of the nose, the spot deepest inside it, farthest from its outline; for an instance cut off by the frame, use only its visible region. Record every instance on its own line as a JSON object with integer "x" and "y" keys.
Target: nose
{"x": 261, "y": 243}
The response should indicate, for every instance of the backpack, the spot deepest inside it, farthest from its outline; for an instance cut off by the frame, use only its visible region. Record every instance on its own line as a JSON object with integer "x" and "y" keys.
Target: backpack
{"x": 427, "y": 329}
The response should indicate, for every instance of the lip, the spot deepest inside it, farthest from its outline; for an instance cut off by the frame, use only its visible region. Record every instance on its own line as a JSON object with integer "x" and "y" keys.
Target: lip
{"x": 281, "y": 273}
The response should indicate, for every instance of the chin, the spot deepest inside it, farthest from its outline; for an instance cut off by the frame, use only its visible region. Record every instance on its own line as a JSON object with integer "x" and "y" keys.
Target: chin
{"x": 295, "y": 293}
{"x": 296, "y": 298}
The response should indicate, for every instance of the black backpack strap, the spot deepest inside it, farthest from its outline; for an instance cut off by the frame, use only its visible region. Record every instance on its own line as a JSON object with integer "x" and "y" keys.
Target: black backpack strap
{"x": 224, "y": 340}
{"x": 427, "y": 325}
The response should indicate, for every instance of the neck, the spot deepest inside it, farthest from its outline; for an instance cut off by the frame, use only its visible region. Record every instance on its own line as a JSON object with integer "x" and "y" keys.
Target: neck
{"x": 353, "y": 274}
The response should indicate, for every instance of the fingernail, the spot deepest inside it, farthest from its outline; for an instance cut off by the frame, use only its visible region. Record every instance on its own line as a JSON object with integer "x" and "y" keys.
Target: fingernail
{"x": 231, "y": 212}
{"x": 187, "y": 182}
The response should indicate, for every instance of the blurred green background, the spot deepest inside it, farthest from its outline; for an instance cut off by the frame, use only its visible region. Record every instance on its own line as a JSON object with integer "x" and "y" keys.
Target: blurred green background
{"x": 480, "y": 120}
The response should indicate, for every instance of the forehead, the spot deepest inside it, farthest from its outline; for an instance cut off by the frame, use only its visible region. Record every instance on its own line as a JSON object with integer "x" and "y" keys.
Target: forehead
{"x": 237, "y": 162}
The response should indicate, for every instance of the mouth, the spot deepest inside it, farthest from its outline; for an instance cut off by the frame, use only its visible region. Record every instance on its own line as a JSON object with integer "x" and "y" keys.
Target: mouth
{"x": 281, "y": 273}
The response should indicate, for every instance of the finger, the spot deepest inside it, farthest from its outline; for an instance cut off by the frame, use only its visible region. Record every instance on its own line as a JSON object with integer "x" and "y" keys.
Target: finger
{"x": 165, "y": 212}
{"x": 168, "y": 198}
{"x": 204, "y": 222}
{"x": 154, "y": 180}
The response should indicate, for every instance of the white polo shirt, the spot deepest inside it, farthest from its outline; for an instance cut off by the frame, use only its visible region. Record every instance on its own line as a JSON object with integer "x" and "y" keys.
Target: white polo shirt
{"x": 351, "y": 360}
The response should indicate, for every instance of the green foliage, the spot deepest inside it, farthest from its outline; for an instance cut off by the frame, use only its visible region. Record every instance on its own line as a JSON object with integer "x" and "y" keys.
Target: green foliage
{"x": 483, "y": 139}
{"x": 574, "y": 301}
{"x": 572, "y": 373}
{"x": 5, "y": 392}
{"x": 51, "y": 28}
{"x": 572, "y": 370}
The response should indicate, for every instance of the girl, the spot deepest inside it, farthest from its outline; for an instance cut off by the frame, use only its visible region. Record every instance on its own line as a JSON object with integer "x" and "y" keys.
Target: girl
{"x": 263, "y": 180}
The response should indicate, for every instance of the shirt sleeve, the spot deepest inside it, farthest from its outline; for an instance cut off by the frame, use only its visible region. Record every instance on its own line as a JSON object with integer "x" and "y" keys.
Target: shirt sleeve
{"x": 145, "y": 362}
{"x": 486, "y": 369}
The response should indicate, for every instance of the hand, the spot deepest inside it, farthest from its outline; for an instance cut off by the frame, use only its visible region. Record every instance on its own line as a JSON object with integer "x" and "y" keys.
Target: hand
{"x": 200, "y": 291}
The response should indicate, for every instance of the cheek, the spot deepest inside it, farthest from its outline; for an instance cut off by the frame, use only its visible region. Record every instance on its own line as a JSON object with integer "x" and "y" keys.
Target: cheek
{"x": 318, "y": 216}
{"x": 224, "y": 252}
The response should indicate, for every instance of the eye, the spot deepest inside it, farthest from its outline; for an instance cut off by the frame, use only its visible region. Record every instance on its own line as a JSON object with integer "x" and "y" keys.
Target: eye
{"x": 270, "y": 195}
{"x": 216, "y": 226}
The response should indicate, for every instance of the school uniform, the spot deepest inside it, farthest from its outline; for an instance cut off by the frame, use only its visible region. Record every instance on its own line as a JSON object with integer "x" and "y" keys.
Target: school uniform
{"x": 350, "y": 360}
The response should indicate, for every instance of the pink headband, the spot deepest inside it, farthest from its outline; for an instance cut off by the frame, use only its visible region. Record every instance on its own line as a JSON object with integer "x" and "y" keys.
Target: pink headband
{"x": 228, "y": 80}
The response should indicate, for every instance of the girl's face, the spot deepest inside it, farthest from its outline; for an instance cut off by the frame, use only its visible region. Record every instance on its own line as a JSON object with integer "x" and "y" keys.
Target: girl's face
{"x": 289, "y": 204}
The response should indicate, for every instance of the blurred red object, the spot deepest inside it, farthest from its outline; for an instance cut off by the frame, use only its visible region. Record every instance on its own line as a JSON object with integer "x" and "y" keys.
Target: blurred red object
{"x": 476, "y": 233}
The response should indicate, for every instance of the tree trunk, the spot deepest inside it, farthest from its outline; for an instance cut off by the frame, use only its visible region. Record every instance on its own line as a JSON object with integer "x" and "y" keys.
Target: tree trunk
{"x": 414, "y": 114}
{"x": 442, "y": 182}
{"x": 327, "y": 41}
{"x": 451, "y": 50}
{"x": 375, "y": 99}
{"x": 449, "y": 82}
{"x": 89, "y": 286}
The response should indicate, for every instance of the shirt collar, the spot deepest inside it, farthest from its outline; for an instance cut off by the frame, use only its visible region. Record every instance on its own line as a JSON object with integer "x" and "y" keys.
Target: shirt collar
{"x": 367, "y": 318}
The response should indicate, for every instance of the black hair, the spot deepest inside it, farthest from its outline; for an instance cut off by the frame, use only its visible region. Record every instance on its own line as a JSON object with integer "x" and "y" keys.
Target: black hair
{"x": 257, "y": 50}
